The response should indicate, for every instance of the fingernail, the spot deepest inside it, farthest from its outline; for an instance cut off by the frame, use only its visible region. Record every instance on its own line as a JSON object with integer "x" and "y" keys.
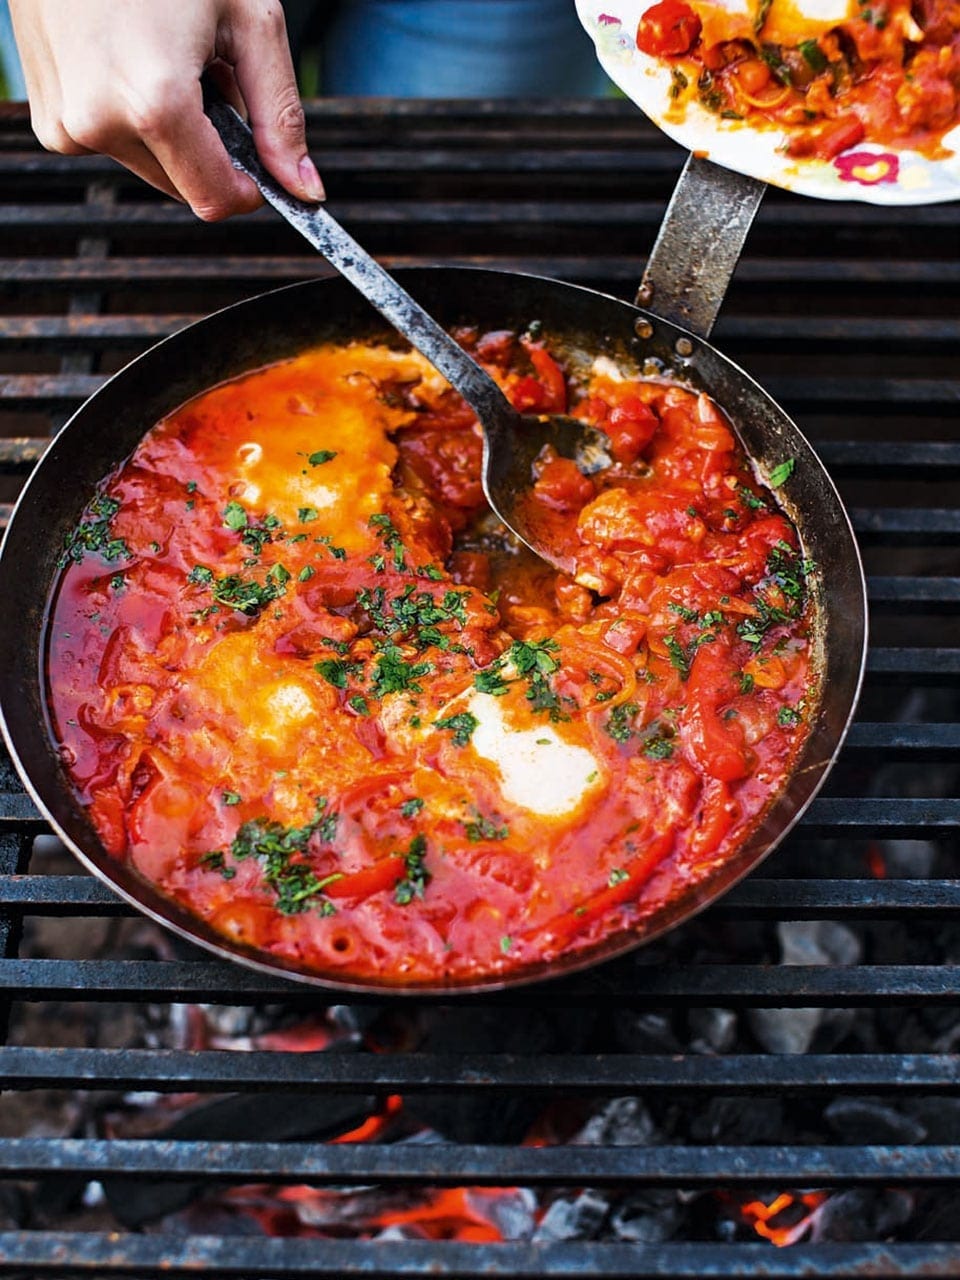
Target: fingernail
{"x": 310, "y": 179}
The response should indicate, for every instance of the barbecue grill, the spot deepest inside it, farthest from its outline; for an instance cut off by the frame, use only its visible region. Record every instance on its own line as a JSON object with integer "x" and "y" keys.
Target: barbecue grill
{"x": 847, "y": 314}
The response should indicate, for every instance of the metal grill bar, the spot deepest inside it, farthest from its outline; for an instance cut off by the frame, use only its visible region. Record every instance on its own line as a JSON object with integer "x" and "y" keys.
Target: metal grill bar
{"x": 489, "y": 1166}
{"x": 413, "y": 1073}
{"x": 626, "y": 986}
{"x": 137, "y": 272}
{"x": 61, "y": 1254}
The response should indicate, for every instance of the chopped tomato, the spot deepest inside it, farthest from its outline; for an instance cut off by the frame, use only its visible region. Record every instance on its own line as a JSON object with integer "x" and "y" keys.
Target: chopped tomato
{"x": 631, "y": 426}
{"x": 825, "y": 141}
{"x": 669, "y": 27}
{"x": 562, "y": 486}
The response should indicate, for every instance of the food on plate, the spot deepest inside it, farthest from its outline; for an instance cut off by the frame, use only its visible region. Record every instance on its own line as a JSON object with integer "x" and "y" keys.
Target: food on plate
{"x": 829, "y": 73}
{"x": 307, "y": 686}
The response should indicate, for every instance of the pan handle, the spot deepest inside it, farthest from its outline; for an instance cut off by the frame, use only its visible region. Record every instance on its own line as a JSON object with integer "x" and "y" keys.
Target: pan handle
{"x": 699, "y": 244}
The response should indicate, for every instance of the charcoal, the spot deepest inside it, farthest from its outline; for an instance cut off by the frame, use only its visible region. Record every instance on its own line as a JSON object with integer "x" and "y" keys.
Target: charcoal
{"x": 648, "y": 1218}
{"x": 738, "y": 1120}
{"x": 809, "y": 942}
{"x": 623, "y": 1122}
{"x": 579, "y": 1219}
{"x": 939, "y": 1116}
{"x": 647, "y": 1033}
{"x": 818, "y": 942}
{"x": 865, "y": 1120}
{"x": 713, "y": 1030}
{"x": 907, "y": 859}
{"x": 785, "y": 1030}
{"x": 861, "y": 1214}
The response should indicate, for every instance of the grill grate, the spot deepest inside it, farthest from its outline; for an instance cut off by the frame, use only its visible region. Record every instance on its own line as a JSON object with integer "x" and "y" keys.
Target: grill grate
{"x": 847, "y": 314}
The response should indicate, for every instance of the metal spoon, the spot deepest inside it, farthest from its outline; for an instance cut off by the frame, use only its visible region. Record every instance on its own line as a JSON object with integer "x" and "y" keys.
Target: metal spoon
{"x": 511, "y": 441}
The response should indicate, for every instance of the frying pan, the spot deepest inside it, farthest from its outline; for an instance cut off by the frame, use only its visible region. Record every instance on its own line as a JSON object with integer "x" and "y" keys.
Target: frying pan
{"x": 286, "y": 322}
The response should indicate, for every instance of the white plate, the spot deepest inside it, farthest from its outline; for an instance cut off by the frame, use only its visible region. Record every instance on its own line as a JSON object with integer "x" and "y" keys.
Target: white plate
{"x": 866, "y": 171}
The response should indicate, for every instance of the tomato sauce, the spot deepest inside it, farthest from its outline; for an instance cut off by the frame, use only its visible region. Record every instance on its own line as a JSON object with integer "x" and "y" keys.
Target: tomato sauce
{"x": 885, "y": 72}
{"x": 305, "y": 684}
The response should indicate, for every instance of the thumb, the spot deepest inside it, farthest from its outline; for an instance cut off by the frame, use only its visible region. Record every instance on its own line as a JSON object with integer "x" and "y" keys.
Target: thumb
{"x": 265, "y": 77}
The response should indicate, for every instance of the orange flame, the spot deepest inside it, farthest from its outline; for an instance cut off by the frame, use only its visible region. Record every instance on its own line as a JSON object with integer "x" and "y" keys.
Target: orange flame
{"x": 761, "y": 1216}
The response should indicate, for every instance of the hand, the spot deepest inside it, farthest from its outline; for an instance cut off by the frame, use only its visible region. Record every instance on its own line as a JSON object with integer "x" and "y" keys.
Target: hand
{"x": 122, "y": 78}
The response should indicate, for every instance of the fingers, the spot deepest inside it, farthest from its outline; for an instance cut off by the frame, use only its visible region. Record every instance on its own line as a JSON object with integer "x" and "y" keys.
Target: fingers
{"x": 124, "y": 81}
{"x": 187, "y": 148}
{"x": 264, "y": 72}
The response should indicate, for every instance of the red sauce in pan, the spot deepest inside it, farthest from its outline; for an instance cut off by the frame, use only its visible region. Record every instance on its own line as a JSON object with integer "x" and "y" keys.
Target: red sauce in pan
{"x": 304, "y": 684}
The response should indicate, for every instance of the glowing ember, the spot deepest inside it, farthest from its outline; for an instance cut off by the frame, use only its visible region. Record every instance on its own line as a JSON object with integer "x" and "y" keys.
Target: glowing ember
{"x": 778, "y": 1221}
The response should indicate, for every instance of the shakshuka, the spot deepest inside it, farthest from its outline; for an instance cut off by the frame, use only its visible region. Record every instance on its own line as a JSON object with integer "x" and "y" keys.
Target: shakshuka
{"x": 308, "y": 687}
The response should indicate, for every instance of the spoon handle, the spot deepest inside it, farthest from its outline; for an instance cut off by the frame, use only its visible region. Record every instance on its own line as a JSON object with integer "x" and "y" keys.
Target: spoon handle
{"x": 379, "y": 288}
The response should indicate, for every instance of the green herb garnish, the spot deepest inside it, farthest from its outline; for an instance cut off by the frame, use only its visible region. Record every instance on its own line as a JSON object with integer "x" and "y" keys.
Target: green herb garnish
{"x": 92, "y": 534}
{"x": 483, "y": 828}
{"x": 415, "y": 882}
{"x": 462, "y": 725}
{"x": 784, "y": 470}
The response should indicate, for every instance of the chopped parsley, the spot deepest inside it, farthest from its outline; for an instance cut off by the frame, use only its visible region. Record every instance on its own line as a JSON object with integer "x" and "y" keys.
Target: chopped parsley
{"x": 337, "y": 672}
{"x": 306, "y": 573}
{"x": 253, "y": 535}
{"x": 781, "y": 473}
{"x": 462, "y": 726}
{"x": 246, "y": 595}
{"x": 321, "y": 456}
{"x": 491, "y": 681}
{"x": 816, "y": 59}
{"x": 358, "y": 703}
{"x": 338, "y": 553}
{"x": 483, "y": 828}
{"x": 215, "y": 861}
{"x": 658, "y": 748}
{"x": 688, "y": 615}
{"x": 534, "y": 662}
{"x": 282, "y": 851}
{"x": 414, "y": 613}
{"x": 679, "y": 657}
{"x": 617, "y": 876}
{"x": 620, "y": 722}
{"x": 750, "y": 498}
{"x": 410, "y": 808}
{"x": 415, "y": 882}
{"x": 93, "y": 534}
{"x": 387, "y": 531}
{"x": 231, "y": 797}
{"x": 306, "y": 514}
{"x": 394, "y": 674}
{"x": 788, "y": 716}
{"x": 234, "y": 516}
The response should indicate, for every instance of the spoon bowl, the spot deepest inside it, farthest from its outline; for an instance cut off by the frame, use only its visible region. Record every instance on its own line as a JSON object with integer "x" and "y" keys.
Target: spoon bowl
{"x": 512, "y": 442}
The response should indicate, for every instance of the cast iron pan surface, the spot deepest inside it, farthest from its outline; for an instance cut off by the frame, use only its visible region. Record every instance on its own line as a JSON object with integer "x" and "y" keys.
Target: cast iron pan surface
{"x": 281, "y": 324}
